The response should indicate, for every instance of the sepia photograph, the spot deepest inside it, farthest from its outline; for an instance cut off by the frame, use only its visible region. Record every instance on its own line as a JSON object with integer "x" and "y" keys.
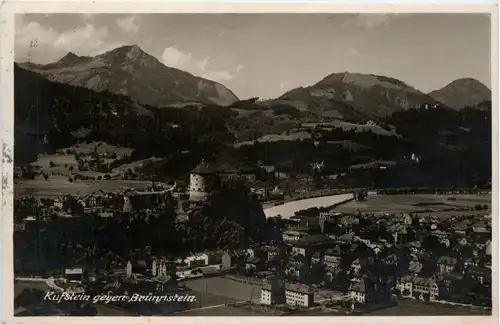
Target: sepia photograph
{"x": 253, "y": 164}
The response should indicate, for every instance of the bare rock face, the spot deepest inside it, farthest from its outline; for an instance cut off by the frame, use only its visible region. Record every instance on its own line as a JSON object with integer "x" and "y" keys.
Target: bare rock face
{"x": 128, "y": 70}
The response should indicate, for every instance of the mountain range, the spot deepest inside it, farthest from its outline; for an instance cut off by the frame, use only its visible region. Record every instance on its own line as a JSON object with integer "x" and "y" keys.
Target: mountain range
{"x": 51, "y": 113}
{"x": 130, "y": 71}
{"x": 355, "y": 97}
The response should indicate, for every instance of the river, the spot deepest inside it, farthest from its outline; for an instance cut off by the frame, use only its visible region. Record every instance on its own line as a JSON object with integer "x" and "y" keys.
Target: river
{"x": 288, "y": 209}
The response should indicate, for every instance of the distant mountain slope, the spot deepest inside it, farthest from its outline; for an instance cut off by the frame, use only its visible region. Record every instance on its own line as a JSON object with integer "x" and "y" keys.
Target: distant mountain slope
{"x": 46, "y": 108}
{"x": 461, "y": 93}
{"x": 356, "y": 97}
{"x": 129, "y": 71}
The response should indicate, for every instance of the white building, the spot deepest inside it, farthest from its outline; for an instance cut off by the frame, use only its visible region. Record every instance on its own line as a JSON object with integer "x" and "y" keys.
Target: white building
{"x": 417, "y": 287}
{"x": 293, "y": 236}
{"x": 369, "y": 293}
{"x": 128, "y": 269}
{"x": 266, "y": 296}
{"x": 163, "y": 268}
{"x": 74, "y": 275}
{"x": 201, "y": 182}
{"x": 299, "y": 295}
{"x": 197, "y": 260}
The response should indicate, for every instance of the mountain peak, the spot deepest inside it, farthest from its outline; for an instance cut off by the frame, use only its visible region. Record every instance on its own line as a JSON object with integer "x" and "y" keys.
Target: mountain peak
{"x": 69, "y": 55}
{"x": 357, "y": 96}
{"x": 462, "y": 92}
{"x": 363, "y": 81}
{"x": 130, "y": 71}
{"x": 125, "y": 54}
{"x": 71, "y": 58}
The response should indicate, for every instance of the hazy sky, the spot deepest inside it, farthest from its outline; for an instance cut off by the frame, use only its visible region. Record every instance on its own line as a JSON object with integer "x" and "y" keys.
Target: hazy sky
{"x": 265, "y": 55}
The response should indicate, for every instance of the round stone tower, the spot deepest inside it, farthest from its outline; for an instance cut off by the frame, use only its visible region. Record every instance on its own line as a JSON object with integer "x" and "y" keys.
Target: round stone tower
{"x": 201, "y": 182}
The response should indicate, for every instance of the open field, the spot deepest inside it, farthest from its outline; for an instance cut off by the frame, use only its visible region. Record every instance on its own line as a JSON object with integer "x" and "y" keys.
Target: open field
{"x": 224, "y": 287}
{"x": 59, "y": 159}
{"x": 59, "y": 185}
{"x": 277, "y": 137}
{"x": 414, "y": 203}
{"x": 349, "y": 126}
{"x": 100, "y": 147}
{"x": 62, "y": 163}
{"x": 417, "y": 308}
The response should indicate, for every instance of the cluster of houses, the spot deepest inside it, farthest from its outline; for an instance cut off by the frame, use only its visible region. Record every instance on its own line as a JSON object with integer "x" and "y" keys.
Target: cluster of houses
{"x": 105, "y": 204}
{"x": 353, "y": 256}
{"x": 348, "y": 254}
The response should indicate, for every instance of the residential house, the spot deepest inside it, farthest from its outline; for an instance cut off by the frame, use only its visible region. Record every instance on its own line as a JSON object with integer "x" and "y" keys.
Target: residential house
{"x": 272, "y": 294}
{"x": 362, "y": 240}
{"x": 310, "y": 223}
{"x": 215, "y": 257}
{"x": 230, "y": 259}
{"x": 309, "y": 244}
{"x": 459, "y": 228}
{"x": 249, "y": 173}
{"x": 162, "y": 268}
{"x": 257, "y": 252}
{"x": 360, "y": 263}
{"x": 481, "y": 274}
{"x": 333, "y": 257}
{"x": 75, "y": 274}
{"x": 227, "y": 172}
{"x": 367, "y": 292}
{"x": 349, "y": 221}
{"x": 58, "y": 203}
{"x": 293, "y": 235}
{"x": 255, "y": 264}
{"x": 316, "y": 258}
{"x": 417, "y": 287}
{"x": 462, "y": 241}
{"x": 268, "y": 168}
{"x": 299, "y": 250}
{"x": 414, "y": 268}
{"x": 297, "y": 270}
{"x": 405, "y": 219}
{"x": 439, "y": 234}
{"x": 272, "y": 252}
{"x": 481, "y": 227}
{"x": 447, "y": 264}
{"x": 299, "y": 295}
{"x": 469, "y": 262}
{"x": 164, "y": 284}
{"x": 197, "y": 260}
{"x": 95, "y": 199}
{"x": 336, "y": 278}
{"x": 346, "y": 238}
{"x": 281, "y": 175}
